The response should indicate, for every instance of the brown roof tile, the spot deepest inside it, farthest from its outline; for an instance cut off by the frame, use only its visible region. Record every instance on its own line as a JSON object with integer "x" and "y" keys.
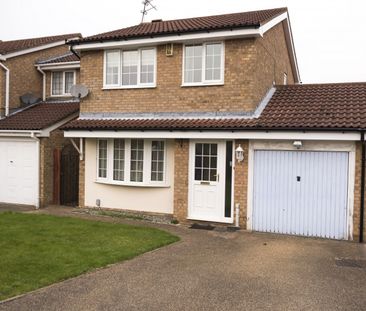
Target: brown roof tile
{"x": 312, "y": 106}
{"x": 39, "y": 116}
{"x": 65, "y": 58}
{"x": 23, "y": 44}
{"x": 197, "y": 24}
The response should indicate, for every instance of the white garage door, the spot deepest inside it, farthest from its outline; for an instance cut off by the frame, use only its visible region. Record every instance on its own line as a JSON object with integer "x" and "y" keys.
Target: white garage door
{"x": 301, "y": 193}
{"x": 18, "y": 172}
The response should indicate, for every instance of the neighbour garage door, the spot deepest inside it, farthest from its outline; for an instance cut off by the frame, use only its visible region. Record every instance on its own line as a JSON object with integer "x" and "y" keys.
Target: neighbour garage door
{"x": 18, "y": 172}
{"x": 301, "y": 193}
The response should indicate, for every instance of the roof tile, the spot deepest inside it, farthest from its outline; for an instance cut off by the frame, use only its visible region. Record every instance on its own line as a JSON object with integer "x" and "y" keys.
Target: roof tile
{"x": 39, "y": 116}
{"x": 312, "y": 106}
{"x": 7, "y": 47}
{"x": 197, "y": 24}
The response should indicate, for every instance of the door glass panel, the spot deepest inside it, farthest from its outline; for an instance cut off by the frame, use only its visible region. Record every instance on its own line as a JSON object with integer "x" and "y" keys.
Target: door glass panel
{"x": 205, "y": 162}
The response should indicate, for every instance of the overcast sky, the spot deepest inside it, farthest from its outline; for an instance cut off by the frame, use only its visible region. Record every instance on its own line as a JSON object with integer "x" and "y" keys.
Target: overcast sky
{"x": 329, "y": 35}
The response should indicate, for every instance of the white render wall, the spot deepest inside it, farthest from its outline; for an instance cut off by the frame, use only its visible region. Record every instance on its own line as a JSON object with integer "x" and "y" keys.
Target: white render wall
{"x": 134, "y": 198}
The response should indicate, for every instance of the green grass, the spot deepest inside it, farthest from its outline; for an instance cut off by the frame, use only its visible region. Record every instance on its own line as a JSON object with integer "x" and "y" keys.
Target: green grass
{"x": 38, "y": 250}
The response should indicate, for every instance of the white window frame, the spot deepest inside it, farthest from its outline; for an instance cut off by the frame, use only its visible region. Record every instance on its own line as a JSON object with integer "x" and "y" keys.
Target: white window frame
{"x": 63, "y": 82}
{"x": 146, "y": 182}
{"x": 139, "y": 85}
{"x": 205, "y": 82}
{"x": 108, "y": 164}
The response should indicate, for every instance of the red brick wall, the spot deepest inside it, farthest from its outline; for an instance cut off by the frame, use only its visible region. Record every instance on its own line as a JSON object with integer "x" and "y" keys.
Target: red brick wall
{"x": 251, "y": 65}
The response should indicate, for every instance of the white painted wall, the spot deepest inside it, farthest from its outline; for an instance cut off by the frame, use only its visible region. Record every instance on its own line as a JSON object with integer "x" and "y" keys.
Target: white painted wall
{"x": 147, "y": 199}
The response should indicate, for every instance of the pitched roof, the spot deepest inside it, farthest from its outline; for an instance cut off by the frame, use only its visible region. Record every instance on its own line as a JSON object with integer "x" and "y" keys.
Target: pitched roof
{"x": 312, "y": 106}
{"x": 7, "y": 47}
{"x": 318, "y": 106}
{"x": 39, "y": 116}
{"x": 252, "y": 19}
{"x": 64, "y": 58}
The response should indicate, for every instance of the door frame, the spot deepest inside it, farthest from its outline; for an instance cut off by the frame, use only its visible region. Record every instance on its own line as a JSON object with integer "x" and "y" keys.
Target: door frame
{"x": 191, "y": 165}
{"x": 327, "y": 146}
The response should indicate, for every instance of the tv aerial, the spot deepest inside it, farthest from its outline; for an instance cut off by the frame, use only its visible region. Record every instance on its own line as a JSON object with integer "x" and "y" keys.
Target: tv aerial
{"x": 79, "y": 91}
{"x": 148, "y": 6}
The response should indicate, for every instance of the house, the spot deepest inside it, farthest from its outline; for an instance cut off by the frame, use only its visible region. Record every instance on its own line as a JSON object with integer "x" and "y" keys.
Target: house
{"x": 205, "y": 119}
{"x": 35, "y": 80}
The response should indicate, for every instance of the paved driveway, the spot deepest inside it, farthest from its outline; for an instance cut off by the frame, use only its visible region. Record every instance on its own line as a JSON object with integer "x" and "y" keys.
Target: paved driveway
{"x": 209, "y": 270}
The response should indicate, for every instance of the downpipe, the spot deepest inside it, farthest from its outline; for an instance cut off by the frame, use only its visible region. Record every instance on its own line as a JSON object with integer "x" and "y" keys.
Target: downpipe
{"x": 33, "y": 136}
{"x": 44, "y": 82}
{"x": 362, "y": 190}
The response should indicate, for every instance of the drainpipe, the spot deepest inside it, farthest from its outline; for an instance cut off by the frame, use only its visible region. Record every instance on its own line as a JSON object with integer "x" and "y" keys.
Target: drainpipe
{"x": 44, "y": 83}
{"x": 362, "y": 208}
{"x": 7, "y": 88}
{"x": 33, "y": 136}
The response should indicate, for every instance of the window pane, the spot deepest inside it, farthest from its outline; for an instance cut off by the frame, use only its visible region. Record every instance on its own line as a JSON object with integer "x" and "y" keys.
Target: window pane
{"x": 57, "y": 83}
{"x": 102, "y": 158}
{"x": 129, "y": 67}
{"x": 193, "y": 64}
{"x": 147, "y": 66}
{"x": 69, "y": 81}
{"x": 206, "y": 162}
{"x": 119, "y": 159}
{"x": 112, "y": 67}
{"x": 213, "y": 62}
{"x": 157, "y": 160}
{"x": 137, "y": 160}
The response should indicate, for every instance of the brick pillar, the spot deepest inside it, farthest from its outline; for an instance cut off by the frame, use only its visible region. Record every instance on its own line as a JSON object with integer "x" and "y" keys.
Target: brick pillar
{"x": 241, "y": 184}
{"x": 82, "y": 182}
{"x": 181, "y": 159}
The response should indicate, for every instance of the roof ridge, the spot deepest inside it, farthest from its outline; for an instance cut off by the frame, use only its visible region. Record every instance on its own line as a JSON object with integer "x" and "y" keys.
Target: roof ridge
{"x": 320, "y": 84}
{"x": 215, "y": 15}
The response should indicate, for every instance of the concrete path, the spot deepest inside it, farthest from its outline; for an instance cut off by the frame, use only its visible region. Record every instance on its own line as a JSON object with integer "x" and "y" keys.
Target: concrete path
{"x": 210, "y": 270}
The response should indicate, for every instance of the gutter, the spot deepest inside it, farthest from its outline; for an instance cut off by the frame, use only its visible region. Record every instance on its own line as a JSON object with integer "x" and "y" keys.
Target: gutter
{"x": 362, "y": 186}
{"x": 7, "y": 88}
{"x": 44, "y": 82}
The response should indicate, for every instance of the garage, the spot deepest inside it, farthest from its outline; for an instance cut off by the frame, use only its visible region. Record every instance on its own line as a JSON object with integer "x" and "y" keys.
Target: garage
{"x": 19, "y": 170}
{"x": 301, "y": 193}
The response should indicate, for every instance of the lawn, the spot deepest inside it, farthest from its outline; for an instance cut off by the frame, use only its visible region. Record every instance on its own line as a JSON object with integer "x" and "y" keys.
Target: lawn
{"x": 38, "y": 250}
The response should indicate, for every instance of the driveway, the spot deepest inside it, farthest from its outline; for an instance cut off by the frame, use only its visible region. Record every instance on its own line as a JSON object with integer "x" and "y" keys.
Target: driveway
{"x": 209, "y": 270}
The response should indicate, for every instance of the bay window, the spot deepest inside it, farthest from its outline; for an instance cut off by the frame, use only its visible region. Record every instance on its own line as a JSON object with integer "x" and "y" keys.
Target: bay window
{"x": 130, "y": 68}
{"x": 203, "y": 64}
{"x": 132, "y": 161}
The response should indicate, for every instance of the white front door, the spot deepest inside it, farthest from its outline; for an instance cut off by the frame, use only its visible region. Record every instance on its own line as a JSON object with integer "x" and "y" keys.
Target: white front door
{"x": 207, "y": 181}
{"x": 18, "y": 171}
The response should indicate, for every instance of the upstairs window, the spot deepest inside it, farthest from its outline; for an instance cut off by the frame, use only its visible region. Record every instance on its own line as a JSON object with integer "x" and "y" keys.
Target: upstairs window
{"x": 129, "y": 69}
{"x": 203, "y": 64}
{"x": 62, "y": 81}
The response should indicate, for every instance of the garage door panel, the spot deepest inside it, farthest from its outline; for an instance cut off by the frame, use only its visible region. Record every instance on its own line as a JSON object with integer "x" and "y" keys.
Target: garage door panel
{"x": 18, "y": 169}
{"x": 301, "y": 193}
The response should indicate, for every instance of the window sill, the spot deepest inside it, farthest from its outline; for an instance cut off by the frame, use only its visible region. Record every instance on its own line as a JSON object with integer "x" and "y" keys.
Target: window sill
{"x": 131, "y": 184}
{"x": 62, "y": 95}
{"x": 130, "y": 87}
{"x": 202, "y": 84}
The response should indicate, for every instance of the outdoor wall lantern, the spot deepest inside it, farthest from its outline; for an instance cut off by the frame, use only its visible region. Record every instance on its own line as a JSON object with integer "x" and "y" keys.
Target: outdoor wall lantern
{"x": 297, "y": 144}
{"x": 239, "y": 153}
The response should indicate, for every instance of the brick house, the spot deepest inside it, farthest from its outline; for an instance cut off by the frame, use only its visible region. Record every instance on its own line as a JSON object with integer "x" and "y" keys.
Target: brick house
{"x": 35, "y": 77}
{"x": 204, "y": 119}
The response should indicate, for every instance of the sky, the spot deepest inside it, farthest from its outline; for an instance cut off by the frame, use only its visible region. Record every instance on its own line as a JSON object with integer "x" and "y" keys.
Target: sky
{"x": 329, "y": 35}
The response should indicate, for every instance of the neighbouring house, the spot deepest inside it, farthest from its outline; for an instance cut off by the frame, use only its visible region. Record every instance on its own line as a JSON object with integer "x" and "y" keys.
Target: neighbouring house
{"x": 205, "y": 119}
{"x": 35, "y": 80}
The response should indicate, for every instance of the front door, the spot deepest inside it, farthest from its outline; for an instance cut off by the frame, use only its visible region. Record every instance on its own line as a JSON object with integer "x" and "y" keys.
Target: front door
{"x": 207, "y": 181}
